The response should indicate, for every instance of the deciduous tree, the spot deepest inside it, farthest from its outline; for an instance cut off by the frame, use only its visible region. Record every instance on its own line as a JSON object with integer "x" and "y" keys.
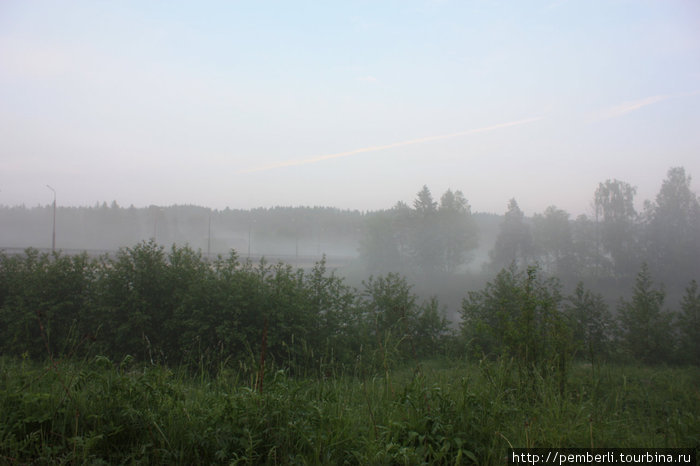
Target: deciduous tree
{"x": 618, "y": 220}
{"x": 553, "y": 241}
{"x": 458, "y": 230}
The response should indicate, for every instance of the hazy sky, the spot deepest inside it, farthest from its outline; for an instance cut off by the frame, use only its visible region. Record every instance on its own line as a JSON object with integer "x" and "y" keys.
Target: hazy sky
{"x": 346, "y": 104}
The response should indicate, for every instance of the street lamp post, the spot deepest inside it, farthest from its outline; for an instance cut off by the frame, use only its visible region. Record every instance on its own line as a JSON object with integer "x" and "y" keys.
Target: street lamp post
{"x": 53, "y": 234}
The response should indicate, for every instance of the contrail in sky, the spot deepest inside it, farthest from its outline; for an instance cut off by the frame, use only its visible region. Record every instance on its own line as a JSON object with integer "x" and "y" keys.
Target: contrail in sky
{"x": 321, "y": 158}
{"x": 631, "y": 106}
{"x": 634, "y": 105}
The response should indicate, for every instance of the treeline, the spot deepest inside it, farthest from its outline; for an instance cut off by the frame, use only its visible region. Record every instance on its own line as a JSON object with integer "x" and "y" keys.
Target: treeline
{"x": 617, "y": 240}
{"x": 278, "y": 231}
{"x": 178, "y": 308}
{"x": 429, "y": 238}
{"x": 610, "y": 245}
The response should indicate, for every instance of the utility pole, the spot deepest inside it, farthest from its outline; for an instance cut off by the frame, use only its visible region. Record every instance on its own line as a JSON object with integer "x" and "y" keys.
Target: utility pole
{"x": 53, "y": 234}
{"x": 250, "y": 229}
{"x": 209, "y": 237}
{"x": 156, "y": 212}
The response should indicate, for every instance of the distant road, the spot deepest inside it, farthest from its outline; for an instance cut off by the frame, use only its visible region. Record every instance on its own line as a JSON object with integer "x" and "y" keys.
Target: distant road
{"x": 304, "y": 261}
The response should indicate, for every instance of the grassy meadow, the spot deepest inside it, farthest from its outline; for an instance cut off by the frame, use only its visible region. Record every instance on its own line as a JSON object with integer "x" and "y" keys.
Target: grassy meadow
{"x": 98, "y": 411}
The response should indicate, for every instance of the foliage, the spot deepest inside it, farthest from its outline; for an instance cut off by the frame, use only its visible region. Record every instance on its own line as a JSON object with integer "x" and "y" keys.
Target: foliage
{"x": 589, "y": 257}
{"x": 429, "y": 237}
{"x": 614, "y": 209}
{"x": 553, "y": 241}
{"x": 458, "y": 230}
{"x": 176, "y": 307}
{"x": 102, "y": 412}
{"x": 43, "y": 301}
{"x": 400, "y": 327}
{"x": 689, "y": 325}
{"x": 591, "y": 323}
{"x": 519, "y": 316}
{"x": 384, "y": 246}
{"x": 425, "y": 244}
{"x": 136, "y": 301}
{"x": 159, "y": 356}
{"x": 646, "y": 328}
{"x": 431, "y": 330}
{"x": 514, "y": 241}
{"x": 673, "y": 223}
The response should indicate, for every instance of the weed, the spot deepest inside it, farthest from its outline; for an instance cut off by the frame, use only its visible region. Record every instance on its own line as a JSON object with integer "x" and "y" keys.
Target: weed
{"x": 448, "y": 413}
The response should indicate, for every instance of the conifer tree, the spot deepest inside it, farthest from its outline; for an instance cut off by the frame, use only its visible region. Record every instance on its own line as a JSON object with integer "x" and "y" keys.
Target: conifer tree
{"x": 689, "y": 325}
{"x": 591, "y": 323}
{"x": 646, "y": 328}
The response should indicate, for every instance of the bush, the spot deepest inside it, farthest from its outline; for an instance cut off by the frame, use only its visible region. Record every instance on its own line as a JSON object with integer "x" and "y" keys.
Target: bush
{"x": 519, "y": 316}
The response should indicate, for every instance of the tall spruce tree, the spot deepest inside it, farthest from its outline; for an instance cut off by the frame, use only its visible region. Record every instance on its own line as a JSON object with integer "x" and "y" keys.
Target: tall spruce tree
{"x": 591, "y": 323}
{"x": 645, "y": 326}
{"x": 689, "y": 325}
{"x": 514, "y": 241}
{"x": 673, "y": 229}
{"x": 425, "y": 238}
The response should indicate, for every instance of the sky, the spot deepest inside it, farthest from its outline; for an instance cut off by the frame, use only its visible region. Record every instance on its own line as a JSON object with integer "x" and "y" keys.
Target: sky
{"x": 348, "y": 104}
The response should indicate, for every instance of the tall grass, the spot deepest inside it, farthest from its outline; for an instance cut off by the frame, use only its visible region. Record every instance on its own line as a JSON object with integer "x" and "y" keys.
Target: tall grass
{"x": 445, "y": 412}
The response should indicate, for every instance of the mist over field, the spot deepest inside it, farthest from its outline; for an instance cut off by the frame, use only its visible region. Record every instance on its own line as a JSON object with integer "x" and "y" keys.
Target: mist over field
{"x": 438, "y": 243}
{"x": 386, "y": 232}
